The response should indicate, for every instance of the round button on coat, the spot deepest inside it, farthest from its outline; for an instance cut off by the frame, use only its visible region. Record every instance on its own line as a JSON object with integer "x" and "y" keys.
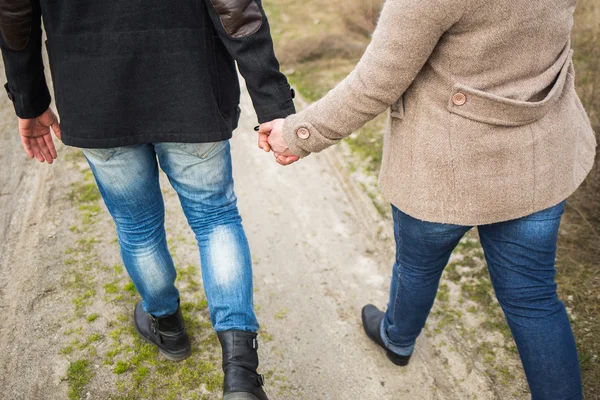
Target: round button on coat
{"x": 459, "y": 99}
{"x": 303, "y": 133}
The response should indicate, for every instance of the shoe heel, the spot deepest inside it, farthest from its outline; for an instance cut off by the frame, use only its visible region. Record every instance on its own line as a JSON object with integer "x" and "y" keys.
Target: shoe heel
{"x": 401, "y": 361}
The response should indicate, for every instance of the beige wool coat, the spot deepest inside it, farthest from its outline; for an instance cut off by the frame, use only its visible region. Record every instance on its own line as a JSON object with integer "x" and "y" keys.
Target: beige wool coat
{"x": 485, "y": 125}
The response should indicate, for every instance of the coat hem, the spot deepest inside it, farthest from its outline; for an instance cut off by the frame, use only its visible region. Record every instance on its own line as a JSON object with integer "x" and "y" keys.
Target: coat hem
{"x": 104, "y": 143}
{"x": 480, "y": 220}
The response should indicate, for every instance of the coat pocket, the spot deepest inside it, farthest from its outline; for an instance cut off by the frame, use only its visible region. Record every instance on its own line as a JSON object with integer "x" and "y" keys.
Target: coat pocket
{"x": 488, "y": 108}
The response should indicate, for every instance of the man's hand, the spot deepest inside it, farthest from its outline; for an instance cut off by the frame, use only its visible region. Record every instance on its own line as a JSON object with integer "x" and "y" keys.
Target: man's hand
{"x": 270, "y": 138}
{"x": 36, "y": 136}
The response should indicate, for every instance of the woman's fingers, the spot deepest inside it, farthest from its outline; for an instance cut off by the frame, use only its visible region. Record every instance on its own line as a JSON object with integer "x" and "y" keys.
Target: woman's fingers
{"x": 263, "y": 142}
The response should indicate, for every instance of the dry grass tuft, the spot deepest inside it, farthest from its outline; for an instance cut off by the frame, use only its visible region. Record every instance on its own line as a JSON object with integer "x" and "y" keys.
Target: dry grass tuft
{"x": 360, "y": 16}
{"x": 319, "y": 47}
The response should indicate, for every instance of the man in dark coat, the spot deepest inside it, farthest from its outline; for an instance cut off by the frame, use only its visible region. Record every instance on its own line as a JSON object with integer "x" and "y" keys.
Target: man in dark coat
{"x": 140, "y": 85}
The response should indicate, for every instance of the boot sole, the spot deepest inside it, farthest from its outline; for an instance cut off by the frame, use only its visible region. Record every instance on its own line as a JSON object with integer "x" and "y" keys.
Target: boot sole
{"x": 240, "y": 396}
{"x": 165, "y": 354}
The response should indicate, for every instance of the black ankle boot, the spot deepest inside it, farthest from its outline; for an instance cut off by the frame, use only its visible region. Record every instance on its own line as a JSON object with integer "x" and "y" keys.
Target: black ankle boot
{"x": 240, "y": 361}
{"x": 166, "y": 333}
{"x": 371, "y": 319}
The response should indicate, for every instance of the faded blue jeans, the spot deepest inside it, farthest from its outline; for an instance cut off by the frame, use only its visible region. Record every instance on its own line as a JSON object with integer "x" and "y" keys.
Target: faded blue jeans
{"x": 201, "y": 175}
{"x": 520, "y": 255}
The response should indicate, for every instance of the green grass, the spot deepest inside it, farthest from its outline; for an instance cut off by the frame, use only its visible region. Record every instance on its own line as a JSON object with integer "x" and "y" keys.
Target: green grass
{"x": 79, "y": 375}
{"x": 121, "y": 367}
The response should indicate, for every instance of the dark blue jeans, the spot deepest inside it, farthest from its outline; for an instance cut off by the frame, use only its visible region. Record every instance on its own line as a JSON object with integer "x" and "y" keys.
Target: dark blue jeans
{"x": 520, "y": 256}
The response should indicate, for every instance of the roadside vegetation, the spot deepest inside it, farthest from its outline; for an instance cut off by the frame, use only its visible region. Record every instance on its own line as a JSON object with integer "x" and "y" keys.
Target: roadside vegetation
{"x": 579, "y": 244}
{"x": 318, "y": 43}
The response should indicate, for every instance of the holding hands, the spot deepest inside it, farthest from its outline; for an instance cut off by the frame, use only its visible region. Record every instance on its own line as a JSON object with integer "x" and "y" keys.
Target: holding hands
{"x": 270, "y": 138}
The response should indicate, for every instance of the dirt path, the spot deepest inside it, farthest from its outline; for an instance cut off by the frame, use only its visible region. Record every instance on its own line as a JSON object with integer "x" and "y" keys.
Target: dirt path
{"x": 66, "y": 302}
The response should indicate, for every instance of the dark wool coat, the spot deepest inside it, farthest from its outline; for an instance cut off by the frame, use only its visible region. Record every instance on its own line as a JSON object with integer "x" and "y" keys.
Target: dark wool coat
{"x": 129, "y": 72}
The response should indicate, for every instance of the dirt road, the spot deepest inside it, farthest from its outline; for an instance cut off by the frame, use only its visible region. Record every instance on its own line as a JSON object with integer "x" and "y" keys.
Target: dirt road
{"x": 66, "y": 302}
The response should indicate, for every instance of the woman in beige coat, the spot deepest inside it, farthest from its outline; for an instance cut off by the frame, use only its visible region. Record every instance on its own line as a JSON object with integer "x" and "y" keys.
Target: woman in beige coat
{"x": 485, "y": 130}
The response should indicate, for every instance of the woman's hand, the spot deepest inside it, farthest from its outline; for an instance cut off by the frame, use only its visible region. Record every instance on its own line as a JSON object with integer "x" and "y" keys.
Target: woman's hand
{"x": 37, "y": 138}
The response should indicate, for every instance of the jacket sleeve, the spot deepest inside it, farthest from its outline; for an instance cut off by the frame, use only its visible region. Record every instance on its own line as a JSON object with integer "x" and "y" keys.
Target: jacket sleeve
{"x": 244, "y": 30}
{"x": 405, "y": 37}
{"x": 21, "y": 43}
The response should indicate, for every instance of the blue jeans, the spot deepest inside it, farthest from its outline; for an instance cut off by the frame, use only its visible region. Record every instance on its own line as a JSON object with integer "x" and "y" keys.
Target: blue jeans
{"x": 520, "y": 255}
{"x": 201, "y": 175}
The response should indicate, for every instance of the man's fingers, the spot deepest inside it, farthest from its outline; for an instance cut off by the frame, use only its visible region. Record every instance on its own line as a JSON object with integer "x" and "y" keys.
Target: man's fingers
{"x": 36, "y": 151}
{"x": 56, "y": 128}
{"x": 44, "y": 149}
{"x": 266, "y": 128}
{"x": 50, "y": 145}
{"x": 27, "y": 146}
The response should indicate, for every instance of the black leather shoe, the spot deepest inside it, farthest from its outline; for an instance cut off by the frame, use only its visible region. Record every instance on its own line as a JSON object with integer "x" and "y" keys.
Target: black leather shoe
{"x": 371, "y": 319}
{"x": 240, "y": 362}
{"x": 166, "y": 333}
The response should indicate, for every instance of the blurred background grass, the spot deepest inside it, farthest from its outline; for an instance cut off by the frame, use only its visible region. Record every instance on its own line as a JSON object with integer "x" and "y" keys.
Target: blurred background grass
{"x": 319, "y": 42}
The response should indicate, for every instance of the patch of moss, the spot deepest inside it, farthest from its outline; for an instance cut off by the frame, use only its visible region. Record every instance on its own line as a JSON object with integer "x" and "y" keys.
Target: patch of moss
{"x": 282, "y": 313}
{"x": 84, "y": 193}
{"x": 443, "y": 293}
{"x": 130, "y": 287}
{"x": 92, "y": 317}
{"x": 111, "y": 287}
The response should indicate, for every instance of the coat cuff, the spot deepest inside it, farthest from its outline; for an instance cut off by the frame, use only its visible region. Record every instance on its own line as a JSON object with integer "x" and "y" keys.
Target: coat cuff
{"x": 30, "y": 106}
{"x": 303, "y": 138}
{"x": 288, "y": 110}
{"x": 281, "y": 110}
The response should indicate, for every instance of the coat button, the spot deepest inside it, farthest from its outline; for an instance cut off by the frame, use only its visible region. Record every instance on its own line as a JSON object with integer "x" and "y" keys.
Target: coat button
{"x": 303, "y": 133}
{"x": 459, "y": 99}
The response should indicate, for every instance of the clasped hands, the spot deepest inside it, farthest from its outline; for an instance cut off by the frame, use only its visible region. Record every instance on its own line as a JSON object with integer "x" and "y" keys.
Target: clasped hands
{"x": 270, "y": 138}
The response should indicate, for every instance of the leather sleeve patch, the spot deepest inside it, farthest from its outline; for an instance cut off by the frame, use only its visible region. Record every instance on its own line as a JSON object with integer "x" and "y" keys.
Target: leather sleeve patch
{"x": 15, "y": 22}
{"x": 240, "y": 18}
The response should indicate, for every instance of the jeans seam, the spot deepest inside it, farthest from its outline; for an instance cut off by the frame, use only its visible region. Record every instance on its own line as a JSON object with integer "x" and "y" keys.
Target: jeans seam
{"x": 398, "y": 277}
